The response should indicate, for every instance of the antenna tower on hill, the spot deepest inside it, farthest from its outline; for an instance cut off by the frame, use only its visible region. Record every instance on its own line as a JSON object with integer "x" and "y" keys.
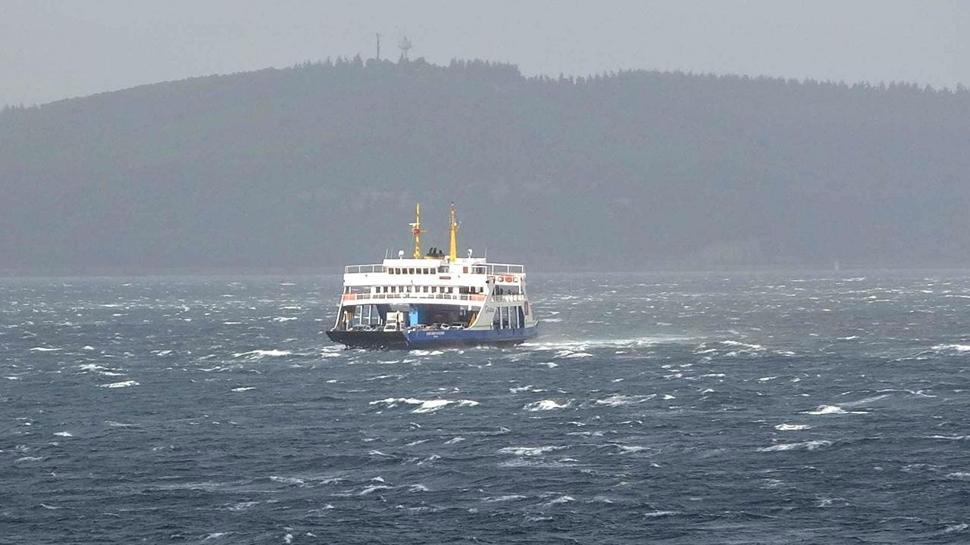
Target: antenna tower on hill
{"x": 404, "y": 45}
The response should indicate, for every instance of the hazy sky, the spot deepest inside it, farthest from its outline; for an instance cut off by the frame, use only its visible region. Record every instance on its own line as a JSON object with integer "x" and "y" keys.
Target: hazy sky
{"x": 56, "y": 49}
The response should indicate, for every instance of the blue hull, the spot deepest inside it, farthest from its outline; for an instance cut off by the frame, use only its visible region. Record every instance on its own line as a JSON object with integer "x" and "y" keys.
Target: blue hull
{"x": 466, "y": 337}
{"x": 432, "y": 338}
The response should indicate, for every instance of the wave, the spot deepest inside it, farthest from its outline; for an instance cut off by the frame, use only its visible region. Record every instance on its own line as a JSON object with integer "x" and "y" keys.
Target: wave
{"x": 260, "y": 354}
{"x": 424, "y": 405}
{"x": 546, "y": 405}
{"x": 529, "y": 451}
{"x": 807, "y": 445}
{"x": 122, "y": 384}
{"x": 617, "y": 400}
{"x": 792, "y": 427}
{"x": 958, "y": 348}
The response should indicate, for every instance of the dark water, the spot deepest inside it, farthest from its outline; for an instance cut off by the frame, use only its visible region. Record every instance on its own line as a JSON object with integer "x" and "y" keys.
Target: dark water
{"x": 784, "y": 408}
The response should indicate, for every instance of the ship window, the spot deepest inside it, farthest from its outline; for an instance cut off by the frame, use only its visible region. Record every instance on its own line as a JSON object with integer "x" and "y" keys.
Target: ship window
{"x": 442, "y": 269}
{"x": 465, "y": 270}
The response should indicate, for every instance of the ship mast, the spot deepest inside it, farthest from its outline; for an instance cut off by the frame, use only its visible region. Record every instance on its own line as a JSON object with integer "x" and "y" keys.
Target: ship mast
{"x": 453, "y": 230}
{"x": 416, "y": 231}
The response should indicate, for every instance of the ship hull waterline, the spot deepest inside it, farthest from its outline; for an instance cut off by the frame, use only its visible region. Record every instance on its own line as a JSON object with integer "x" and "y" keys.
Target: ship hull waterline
{"x": 430, "y": 339}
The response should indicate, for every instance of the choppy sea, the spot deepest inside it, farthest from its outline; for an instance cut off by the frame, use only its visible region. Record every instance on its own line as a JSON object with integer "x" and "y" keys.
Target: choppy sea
{"x": 653, "y": 408}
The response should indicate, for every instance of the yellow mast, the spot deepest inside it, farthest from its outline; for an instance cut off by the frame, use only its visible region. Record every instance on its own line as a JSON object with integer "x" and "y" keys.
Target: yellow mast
{"x": 453, "y": 230}
{"x": 416, "y": 231}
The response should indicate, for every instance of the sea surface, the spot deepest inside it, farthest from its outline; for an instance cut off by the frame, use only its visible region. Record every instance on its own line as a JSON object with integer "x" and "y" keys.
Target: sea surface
{"x": 653, "y": 408}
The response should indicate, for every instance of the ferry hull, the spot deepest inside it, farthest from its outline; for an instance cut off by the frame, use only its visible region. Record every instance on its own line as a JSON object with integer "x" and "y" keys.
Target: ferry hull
{"x": 432, "y": 338}
{"x": 369, "y": 339}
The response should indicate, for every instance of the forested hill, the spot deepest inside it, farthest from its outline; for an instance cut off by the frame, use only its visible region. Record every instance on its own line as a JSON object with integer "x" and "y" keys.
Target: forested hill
{"x": 320, "y": 165}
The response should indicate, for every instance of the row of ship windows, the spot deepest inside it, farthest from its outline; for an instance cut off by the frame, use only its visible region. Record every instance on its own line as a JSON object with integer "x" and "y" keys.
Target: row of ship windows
{"x": 417, "y": 289}
{"x": 432, "y": 270}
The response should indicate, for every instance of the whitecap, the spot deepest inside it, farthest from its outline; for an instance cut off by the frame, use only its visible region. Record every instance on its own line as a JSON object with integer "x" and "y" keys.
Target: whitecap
{"x": 561, "y": 499}
{"x": 546, "y": 405}
{"x": 243, "y": 389}
{"x": 529, "y": 451}
{"x": 259, "y": 354}
{"x": 510, "y": 497}
{"x": 807, "y": 445}
{"x": 792, "y": 427}
{"x": 373, "y": 488}
{"x": 287, "y": 480}
{"x": 417, "y": 488}
{"x": 424, "y": 405}
{"x": 44, "y": 349}
{"x": 959, "y": 348}
{"x": 454, "y": 441}
{"x": 122, "y": 384}
{"x": 617, "y": 400}
{"x": 655, "y": 514}
{"x": 827, "y": 409}
{"x": 284, "y": 319}
{"x": 64, "y": 434}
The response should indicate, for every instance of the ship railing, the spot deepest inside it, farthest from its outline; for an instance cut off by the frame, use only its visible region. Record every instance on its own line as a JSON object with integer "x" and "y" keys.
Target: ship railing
{"x": 504, "y": 268}
{"x": 377, "y": 297}
{"x": 357, "y": 269}
{"x": 508, "y": 298}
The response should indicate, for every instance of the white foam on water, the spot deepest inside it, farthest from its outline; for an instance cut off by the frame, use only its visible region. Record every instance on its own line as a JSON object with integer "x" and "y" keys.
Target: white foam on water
{"x": 629, "y": 449}
{"x": 960, "y": 475}
{"x": 864, "y": 401}
{"x": 766, "y": 379}
{"x": 561, "y": 499}
{"x": 64, "y": 434}
{"x": 259, "y": 354}
{"x": 583, "y": 345}
{"x": 529, "y": 451}
{"x": 288, "y": 539}
{"x": 526, "y": 388}
{"x": 668, "y": 397}
{"x": 44, "y": 349}
{"x": 546, "y": 405}
{"x": 417, "y": 488}
{"x": 284, "y": 319}
{"x": 792, "y": 427}
{"x": 748, "y": 346}
{"x": 287, "y": 480}
{"x": 215, "y": 535}
{"x": 122, "y": 384}
{"x": 510, "y": 497}
{"x": 373, "y": 488}
{"x": 828, "y": 409}
{"x": 454, "y": 441}
{"x": 87, "y": 347}
{"x": 243, "y": 389}
{"x": 956, "y": 528}
{"x": 617, "y": 400}
{"x": 959, "y": 348}
{"x": 29, "y": 459}
{"x": 655, "y": 514}
{"x": 113, "y": 424}
{"x": 424, "y": 405}
{"x": 807, "y": 445}
{"x": 951, "y": 437}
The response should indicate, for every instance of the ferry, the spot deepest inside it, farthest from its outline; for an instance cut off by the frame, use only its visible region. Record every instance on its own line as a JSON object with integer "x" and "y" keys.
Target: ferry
{"x": 433, "y": 299}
